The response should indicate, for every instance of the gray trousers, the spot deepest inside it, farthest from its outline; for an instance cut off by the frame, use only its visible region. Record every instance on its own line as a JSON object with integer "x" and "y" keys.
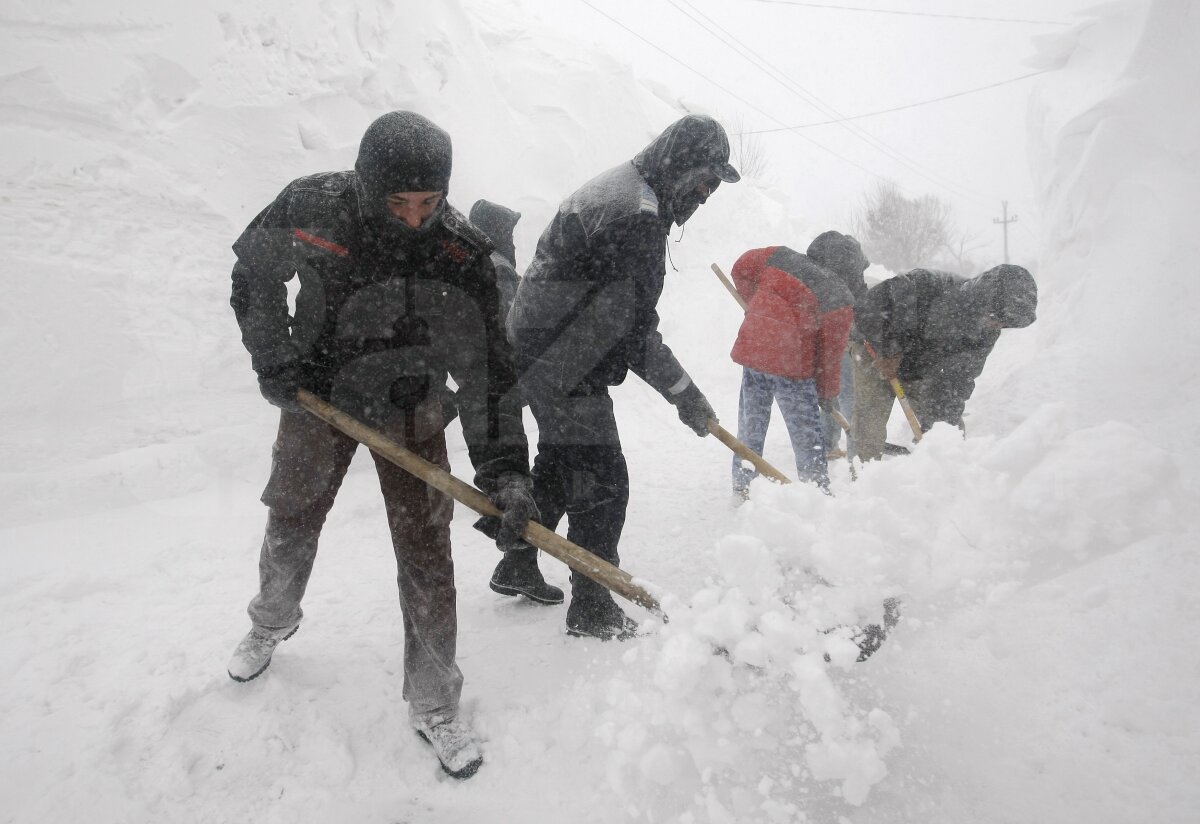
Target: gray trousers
{"x": 873, "y": 399}
{"x": 309, "y": 461}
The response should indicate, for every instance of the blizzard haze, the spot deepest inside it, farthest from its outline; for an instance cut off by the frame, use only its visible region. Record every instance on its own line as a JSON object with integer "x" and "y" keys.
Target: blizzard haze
{"x": 1046, "y": 666}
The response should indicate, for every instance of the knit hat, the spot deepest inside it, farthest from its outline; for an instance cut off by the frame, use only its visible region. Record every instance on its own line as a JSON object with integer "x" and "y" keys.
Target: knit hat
{"x": 498, "y": 223}
{"x": 842, "y": 255}
{"x": 403, "y": 152}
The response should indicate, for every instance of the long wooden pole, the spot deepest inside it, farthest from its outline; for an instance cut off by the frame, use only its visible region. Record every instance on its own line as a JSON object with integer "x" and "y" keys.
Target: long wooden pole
{"x": 576, "y": 557}
{"x": 736, "y": 295}
{"x": 742, "y": 451}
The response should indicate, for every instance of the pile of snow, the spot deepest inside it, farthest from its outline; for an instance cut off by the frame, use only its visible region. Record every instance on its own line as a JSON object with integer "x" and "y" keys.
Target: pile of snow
{"x": 1042, "y": 562}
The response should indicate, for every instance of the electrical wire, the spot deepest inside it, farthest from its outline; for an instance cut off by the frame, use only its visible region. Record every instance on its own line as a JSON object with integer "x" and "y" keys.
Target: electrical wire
{"x": 919, "y": 13}
{"x": 900, "y": 108}
{"x": 730, "y": 92}
{"x": 785, "y": 80}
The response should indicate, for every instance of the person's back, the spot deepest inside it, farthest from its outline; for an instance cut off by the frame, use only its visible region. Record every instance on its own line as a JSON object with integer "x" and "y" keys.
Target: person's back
{"x": 598, "y": 266}
{"x": 790, "y": 343}
{"x": 933, "y": 331}
{"x": 498, "y": 223}
{"x": 842, "y": 255}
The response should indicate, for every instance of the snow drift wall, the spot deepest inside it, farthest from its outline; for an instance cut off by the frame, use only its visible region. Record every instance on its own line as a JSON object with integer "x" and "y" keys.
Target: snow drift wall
{"x": 1116, "y": 154}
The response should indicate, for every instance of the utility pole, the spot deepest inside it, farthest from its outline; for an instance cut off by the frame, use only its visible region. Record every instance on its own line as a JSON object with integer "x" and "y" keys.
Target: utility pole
{"x": 1007, "y": 220}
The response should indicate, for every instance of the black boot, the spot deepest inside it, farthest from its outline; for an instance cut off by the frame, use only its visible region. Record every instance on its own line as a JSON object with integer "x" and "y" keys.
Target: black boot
{"x": 599, "y": 617}
{"x": 518, "y": 574}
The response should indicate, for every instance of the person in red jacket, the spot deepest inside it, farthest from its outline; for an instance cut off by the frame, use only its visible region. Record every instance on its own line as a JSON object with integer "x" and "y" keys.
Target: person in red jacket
{"x": 798, "y": 319}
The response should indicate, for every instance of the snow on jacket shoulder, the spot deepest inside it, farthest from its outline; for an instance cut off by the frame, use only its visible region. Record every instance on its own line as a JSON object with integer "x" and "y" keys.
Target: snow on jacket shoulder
{"x": 798, "y": 317}
{"x": 586, "y": 309}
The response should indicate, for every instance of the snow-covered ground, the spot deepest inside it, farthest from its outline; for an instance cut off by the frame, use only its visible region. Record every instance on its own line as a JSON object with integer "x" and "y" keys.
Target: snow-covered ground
{"x": 1046, "y": 666}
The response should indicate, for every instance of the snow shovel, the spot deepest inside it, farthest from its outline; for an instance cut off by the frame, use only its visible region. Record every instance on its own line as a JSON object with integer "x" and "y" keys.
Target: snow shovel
{"x": 837, "y": 413}
{"x": 913, "y": 422}
{"x": 576, "y": 557}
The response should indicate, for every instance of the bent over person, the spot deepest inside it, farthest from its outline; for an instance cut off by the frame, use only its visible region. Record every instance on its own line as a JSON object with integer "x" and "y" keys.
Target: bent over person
{"x": 790, "y": 346}
{"x": 584, "y": 316}
{"x": 396, "y": 292}
{"x": 933, "y": 331}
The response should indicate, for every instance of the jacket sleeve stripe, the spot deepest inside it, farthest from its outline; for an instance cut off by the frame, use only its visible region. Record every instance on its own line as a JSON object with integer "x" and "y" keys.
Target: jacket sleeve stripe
{"x": 321, "y": 242}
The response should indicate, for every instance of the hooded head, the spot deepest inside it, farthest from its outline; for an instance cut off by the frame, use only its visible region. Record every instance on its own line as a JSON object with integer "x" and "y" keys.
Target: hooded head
{"x": 685, "y": 164}
{"x": 498, "y": 223}
{"x": 842, "y": 255}
{"x": 1007, "y": 294}
{"x": 403, "y": 152}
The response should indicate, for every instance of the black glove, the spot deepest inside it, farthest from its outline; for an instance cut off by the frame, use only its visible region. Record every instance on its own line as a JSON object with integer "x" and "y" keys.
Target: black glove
{"x": 829, "y": 406}
{"x": 279, "y": 384}
{"x": 694, "y": 409}
{"x": 514, "y": 498}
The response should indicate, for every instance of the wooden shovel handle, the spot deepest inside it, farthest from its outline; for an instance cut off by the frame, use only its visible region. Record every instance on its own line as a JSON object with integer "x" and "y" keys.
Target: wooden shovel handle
{"x": 742, "y": 451}
{"x": 736, "y": 295}
{"x": 576, "y": 557}
{"x": 898, "y": 390}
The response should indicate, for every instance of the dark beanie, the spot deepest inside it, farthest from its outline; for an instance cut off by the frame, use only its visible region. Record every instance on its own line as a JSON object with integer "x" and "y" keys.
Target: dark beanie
{"x": 498, "y": 223}
{"x": 403, "y": 152}
{"x": 843, "y": 255}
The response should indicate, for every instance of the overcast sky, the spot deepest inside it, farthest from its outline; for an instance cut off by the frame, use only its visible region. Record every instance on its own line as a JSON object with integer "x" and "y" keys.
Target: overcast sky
{"x": 849, "y": 57}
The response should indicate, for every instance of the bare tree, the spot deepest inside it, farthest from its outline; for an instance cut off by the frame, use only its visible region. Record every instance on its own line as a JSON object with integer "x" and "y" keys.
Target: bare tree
{"x": 746, "y": 151}
{"x": 902, "y": 233}
{"x": 957, "y": 254}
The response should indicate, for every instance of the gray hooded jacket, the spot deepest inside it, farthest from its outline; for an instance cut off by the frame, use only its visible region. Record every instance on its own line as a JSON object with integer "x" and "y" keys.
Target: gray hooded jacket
{"x": 936, "y": 322}
{"x": 585, "y": 312}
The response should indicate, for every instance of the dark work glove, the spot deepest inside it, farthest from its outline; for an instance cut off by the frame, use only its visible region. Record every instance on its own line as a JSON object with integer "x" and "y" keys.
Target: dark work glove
{"x": 514, "y": 497}
{"x": 279, "y": 384}
{"x": 694, "y": 409}
{"x": 829, "y": 406}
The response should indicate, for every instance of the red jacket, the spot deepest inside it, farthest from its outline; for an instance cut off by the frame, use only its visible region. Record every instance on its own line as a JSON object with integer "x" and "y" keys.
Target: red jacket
{"x": 798, "y": 317}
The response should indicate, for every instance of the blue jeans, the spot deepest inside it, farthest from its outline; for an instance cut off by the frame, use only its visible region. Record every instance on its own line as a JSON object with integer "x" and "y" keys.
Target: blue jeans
{"x": 831, "y": 428}
{"x": 798, "y": 403}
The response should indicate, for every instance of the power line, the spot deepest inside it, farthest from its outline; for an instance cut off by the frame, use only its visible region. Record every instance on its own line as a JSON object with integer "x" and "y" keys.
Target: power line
{"x": 919, "y": 13}
{"x": 727, "y": 91}
{"x": 901, "y": 108}
{"x": 762, "y": 64}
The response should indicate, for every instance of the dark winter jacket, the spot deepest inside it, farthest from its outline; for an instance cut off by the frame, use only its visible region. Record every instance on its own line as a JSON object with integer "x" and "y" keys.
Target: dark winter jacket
{"x": 937, "y": 322}
{"x": 798, "y": 317}
{"x": 498, "y": 223}
{"x": 586, "y": 308}
{"x": 381, "y": 317}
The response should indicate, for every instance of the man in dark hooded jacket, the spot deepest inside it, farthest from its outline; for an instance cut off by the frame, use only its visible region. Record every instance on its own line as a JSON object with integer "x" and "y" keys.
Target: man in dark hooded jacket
{"x": 842, "y": 255}
{"x": 932, "y": 330}
{"x": 520, "y": 574}
{"x": 585, "y": 315}
{"x": 396, "y": 291}
{"x": 498, "y": 223}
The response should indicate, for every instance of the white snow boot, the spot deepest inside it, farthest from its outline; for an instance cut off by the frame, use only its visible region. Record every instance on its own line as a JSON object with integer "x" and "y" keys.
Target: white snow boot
{"x": 452, "y": 742}
{"x": 253, "y": 654}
